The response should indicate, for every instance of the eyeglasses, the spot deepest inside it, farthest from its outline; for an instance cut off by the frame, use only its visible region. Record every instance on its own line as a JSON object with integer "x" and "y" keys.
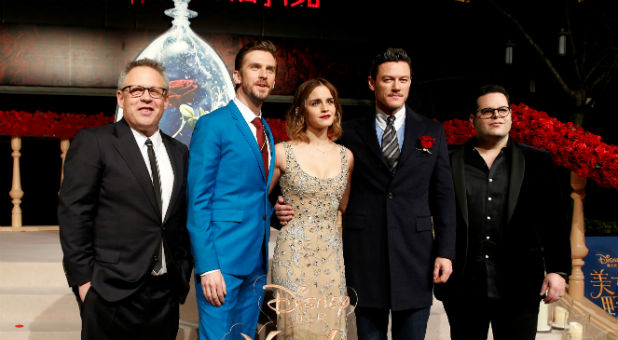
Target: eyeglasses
{"x": 488, "y": 112}
{"x": 137, "y": 91}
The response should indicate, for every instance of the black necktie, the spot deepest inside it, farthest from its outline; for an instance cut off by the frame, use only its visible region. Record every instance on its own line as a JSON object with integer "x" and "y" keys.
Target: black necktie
{"x": 156, "y": 182}
{"x": 390, "y": 146}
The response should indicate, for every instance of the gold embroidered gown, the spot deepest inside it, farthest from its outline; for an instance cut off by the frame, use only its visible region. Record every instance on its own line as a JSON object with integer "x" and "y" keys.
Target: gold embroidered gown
{"x": 308, "y": 258}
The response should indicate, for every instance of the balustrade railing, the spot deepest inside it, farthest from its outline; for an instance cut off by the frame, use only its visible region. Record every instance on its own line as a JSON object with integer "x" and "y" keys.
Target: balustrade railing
{"x": 578, "y": 237}
{"x": 16, "y": 193}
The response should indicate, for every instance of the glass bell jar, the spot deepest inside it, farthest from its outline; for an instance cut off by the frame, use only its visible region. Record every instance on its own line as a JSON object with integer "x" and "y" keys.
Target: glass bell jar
{"x": 199, "y": 80}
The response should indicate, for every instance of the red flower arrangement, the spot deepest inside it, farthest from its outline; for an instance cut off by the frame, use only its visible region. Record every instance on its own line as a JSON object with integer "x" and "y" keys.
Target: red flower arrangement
{"x": 48, "y": 124}
{"x": 277, "y": 127}
{"x": 570, "y": 146}
{"x": 458, "y": 131}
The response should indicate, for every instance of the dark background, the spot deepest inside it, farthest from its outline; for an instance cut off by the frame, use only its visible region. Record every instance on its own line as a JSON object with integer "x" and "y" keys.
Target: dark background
{"x": 454, "y": 47}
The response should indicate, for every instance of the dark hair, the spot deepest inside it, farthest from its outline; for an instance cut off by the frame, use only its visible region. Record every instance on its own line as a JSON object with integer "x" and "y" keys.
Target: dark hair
{"x": 295, "y": 122}
{"x": 390, "y": 54}
{"x": 143, "y": 62}
{"x": 490, "y": 88}
{"x": 257, "y": 45}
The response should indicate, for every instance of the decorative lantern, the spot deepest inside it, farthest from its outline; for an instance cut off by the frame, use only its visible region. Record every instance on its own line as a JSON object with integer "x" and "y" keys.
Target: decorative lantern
{"x": 532, "y": 86}
{"x": 562, "y": 42}
{"x": 508, "y": 56}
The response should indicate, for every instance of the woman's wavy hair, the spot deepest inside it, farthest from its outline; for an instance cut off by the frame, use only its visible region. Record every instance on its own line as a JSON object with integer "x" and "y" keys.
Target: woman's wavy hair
{"x": 295, "y": 122}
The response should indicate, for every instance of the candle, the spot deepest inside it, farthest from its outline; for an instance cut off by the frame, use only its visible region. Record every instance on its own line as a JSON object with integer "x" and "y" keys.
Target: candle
{"x": 576, "y": 330}
{"x": 560, "y": 317}
{"x": 543, "y": 320}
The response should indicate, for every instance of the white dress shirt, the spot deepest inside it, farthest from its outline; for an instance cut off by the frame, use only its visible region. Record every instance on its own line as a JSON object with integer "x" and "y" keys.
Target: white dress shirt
{"x": 166, "y": 173}
{"x": 249, "y": 116}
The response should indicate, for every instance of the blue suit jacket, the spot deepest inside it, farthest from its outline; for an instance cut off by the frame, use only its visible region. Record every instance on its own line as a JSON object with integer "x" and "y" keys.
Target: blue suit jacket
{"x": 227, "y": 194}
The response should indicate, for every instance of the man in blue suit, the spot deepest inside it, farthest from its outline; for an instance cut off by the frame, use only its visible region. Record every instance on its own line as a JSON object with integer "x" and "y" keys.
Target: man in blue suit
{"x": 231, "y": 153}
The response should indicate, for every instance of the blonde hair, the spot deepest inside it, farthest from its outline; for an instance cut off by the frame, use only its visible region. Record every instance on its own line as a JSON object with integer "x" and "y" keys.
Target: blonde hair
{"x": 295, "y": 122}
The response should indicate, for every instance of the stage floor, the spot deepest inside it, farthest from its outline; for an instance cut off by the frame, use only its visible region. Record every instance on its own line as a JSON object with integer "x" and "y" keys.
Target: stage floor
{"x": 30, "y": 247}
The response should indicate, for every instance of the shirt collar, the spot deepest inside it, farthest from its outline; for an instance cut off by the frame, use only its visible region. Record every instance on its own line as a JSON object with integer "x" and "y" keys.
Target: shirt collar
{"x": 473, "y": 142}
{"x": 400, "y": 117}
{"x": 245, "y": 111}
{"x": 141, "y": 138}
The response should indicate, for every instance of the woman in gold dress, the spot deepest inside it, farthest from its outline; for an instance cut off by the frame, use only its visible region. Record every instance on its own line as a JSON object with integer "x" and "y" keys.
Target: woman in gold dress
{"x": 314, "y": 175}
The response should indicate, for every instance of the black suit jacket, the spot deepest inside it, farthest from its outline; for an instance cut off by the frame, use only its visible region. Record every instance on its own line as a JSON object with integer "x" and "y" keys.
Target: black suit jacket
{"x": 535, "y": 240}
{"x": 388, "y": 233}
{"x": 110, "y": 222}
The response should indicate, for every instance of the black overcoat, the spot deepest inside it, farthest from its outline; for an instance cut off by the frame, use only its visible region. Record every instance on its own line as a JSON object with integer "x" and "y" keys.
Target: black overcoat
{"x": 396, "y": 224}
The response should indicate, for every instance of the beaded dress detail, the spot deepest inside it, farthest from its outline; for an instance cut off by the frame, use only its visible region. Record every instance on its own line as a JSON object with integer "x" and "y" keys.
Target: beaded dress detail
{"x": 308, "y": 257}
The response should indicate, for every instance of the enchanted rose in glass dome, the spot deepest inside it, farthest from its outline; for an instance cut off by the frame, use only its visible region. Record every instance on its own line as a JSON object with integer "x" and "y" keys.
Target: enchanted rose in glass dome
{"x": 199, "y": 80}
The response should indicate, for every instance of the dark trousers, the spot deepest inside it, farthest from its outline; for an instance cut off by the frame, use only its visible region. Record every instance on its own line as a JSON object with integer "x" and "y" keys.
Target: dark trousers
{"x": 149, "y": 313}
{"x": 469, "y": 316}
{"x": 372, "y": 323}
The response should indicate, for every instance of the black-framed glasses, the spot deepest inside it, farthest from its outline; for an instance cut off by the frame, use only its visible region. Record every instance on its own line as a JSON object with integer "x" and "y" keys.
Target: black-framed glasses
{"x": 137, "y": 91}
{"x": 488, "y": 112}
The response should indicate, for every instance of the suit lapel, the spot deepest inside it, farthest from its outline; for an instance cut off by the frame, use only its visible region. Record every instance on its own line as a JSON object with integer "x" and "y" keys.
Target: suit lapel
{"x": 177, "y": 168}
{"x": 242, "y": 126}
{"x": 128, "y": 149}
{"x": 458, "y": 164}
{"x": 370, "y": 137}
{"x": 411, "y": 134}
{"x": 518, "y": 167}
{"x": 271, "y": 143}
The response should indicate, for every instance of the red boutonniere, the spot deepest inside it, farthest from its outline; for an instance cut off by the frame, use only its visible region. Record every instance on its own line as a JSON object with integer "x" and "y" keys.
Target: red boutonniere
{"x": 426, "y": 143}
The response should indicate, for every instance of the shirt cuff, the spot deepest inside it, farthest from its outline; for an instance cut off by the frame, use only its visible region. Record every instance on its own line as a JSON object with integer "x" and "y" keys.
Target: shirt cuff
{"x": 210, "y": 271}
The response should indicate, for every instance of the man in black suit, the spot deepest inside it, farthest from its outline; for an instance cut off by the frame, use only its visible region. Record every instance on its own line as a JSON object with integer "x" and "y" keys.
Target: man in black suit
{"x": 122, "y": 216}
{"x": 512, "y": 232}
{"x": 399, "y": 227}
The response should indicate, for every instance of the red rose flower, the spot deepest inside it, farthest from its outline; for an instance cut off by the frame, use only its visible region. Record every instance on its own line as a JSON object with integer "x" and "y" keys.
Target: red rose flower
{"x": 427, "y": 142}
{"x": 181, "y": 91}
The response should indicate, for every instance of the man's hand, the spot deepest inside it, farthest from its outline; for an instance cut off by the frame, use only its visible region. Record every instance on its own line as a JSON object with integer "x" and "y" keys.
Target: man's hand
{"x": 83, "y": 290}
{"x": 213, "y": 287}
{"x": 284, "y": 212}
{"x": 442, "y": 270}
{"x": 554, "y": 286}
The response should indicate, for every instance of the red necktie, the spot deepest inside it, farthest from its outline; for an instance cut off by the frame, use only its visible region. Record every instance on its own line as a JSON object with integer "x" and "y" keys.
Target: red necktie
{"x": 261, "y": 140}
